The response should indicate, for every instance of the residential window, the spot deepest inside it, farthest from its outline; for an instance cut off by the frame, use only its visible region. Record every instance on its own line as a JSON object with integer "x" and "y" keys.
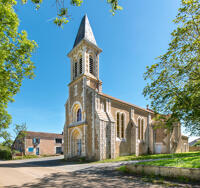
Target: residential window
{"x": 58, "y": 140}
{"x": 80, "y": 65}
{"x": 58, "y": 150}
{"x": 30, "y": 149}
{"x": 79, "y": 115}
{"x": 122, "y": 125}
{"x": 91, "y": 64}
{"x": 36, "y": 141}
{"x": 118, "y": 132}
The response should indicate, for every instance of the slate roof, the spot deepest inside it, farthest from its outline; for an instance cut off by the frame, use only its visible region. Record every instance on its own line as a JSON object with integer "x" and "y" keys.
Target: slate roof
{"x": 194, "y": 142}
{"x": 85, "y": 32}
{"x": 129, "y": 104}
{"x": 43, "y": 135}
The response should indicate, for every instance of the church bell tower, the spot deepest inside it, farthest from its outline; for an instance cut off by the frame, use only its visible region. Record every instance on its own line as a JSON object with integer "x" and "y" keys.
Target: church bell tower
{"x": 84, "y": 57}
{"x": 83, "y": 88}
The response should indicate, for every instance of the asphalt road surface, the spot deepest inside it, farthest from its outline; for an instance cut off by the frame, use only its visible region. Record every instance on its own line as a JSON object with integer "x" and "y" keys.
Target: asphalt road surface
{"x": 55, "y": 172}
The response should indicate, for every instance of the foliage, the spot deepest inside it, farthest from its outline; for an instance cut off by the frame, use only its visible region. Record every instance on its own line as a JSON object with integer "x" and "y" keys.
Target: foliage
{"x": 174, "y": 82}
{"x": 154, "y": 156}
{"x": 185, "y": 162}
{"x": 20, "y": 131}
{"x": 7, "y": 138}
{"x": 197, "y": 143}
{"x": 124, "y": 169}
{"x": 15, "y": 62}
{"x": 63, "y": 16}
{"x": 32, "y": 156}
{"x": 26, "y": 157}
{"x": 4, "y": 147}
{"x": 5, "y": 153}
{"x": 8, "y": 143}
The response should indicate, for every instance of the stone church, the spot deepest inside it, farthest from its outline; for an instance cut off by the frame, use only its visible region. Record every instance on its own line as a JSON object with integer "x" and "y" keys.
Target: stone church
{"x": 99, "y": 126}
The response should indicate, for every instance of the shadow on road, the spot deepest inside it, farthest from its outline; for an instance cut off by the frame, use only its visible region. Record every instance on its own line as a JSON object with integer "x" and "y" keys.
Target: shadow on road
{"x": 42, "y": 163}
{"x": 93, "y": 177}
{"x": 90, "y": 177}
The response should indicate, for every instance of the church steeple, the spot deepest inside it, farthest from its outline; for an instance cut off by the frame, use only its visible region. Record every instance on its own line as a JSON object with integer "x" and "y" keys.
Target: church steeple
{"x": 85, "y": 32}
{"x": 84, "y": 56}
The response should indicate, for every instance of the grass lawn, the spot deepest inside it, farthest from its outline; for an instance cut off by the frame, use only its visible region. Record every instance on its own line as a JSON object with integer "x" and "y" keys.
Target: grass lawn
{"x": 25, "y": 157}
{"x": 185, "y": 162}
{"x": 156, "y": 179}
{"x": 31, "y": 156}
{"x": 4, "y": 147}
{"x": 155, "y": 156}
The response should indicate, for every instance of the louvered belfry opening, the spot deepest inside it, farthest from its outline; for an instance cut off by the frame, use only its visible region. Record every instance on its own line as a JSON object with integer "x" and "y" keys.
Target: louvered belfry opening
{"x": 80, "y": 65}
{"x": 91, "y": 65}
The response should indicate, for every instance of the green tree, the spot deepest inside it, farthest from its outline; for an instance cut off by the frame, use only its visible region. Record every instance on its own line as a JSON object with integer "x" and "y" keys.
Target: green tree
{"x": 197, "y": 143}
{"x": 15, "y": 62}
{"x": 63, "y": 16}
{"x": 174, "y": 81}
{"x": 7, "y": 139}
{"x": 20, "y": 132}
{"x": 16, "y": 50}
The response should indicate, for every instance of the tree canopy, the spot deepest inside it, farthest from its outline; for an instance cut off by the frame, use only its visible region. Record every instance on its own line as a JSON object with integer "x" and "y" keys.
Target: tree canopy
{"x": 20, "y": 130}
{"x": 16, "y": 50}
{"x": 7, "y": 139}
{"x": 15, "y": 58}
{"x": 174, "y": 81}
{"x": 63, "y": 16}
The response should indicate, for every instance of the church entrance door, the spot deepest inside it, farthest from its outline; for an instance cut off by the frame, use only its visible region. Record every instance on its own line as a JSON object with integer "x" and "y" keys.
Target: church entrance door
{"x": 79, "y": 144}
{"x": 76, "y": 149}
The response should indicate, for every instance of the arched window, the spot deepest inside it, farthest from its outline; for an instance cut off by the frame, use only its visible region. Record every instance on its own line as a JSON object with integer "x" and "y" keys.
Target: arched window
{"x": 79, "y": 115}
{"x": 142, "y": 129}
{"x": 139, "y": 120}
{"x": 122, "y": 125}
{"x": 118, "y": 125}
{"x": 75, "y": 70}
{"x": 80, "y": 65}
{"x": 91, "y": 64}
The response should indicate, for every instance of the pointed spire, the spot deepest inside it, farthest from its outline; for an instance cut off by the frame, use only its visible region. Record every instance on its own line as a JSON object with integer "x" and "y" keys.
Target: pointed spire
{"x": 85, "y": 32}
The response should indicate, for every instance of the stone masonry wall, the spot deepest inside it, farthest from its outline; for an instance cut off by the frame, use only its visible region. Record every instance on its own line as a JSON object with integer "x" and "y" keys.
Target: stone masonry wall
{"x": 127, "y": 146}
{"x": 89, "y": 119}
{"x": 47, "y": 146}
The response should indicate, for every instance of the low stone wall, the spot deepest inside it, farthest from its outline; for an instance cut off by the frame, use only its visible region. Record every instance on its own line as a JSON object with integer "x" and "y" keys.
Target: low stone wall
{"x": 191, "y": 173}
{"x": 194, "y": 148}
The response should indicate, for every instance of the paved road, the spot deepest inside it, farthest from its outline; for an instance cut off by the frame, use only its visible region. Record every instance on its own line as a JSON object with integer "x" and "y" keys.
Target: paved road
{"x": 55, "y": 172}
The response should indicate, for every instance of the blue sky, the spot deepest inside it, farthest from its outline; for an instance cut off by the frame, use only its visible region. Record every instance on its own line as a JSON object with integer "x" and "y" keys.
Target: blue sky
{"x": 130, "y": 40}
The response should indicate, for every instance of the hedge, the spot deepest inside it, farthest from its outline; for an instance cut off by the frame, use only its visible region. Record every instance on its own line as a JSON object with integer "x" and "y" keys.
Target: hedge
{"x": 5, "y": 154}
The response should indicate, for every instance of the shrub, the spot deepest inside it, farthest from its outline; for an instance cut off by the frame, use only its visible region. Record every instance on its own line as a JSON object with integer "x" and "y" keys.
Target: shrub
{"x": 5, "y": 154}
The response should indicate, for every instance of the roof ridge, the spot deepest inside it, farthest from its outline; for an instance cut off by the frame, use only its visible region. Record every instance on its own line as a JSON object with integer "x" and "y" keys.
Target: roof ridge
{"x": 119, "y": 100}
{"x": 42, "y": 132}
